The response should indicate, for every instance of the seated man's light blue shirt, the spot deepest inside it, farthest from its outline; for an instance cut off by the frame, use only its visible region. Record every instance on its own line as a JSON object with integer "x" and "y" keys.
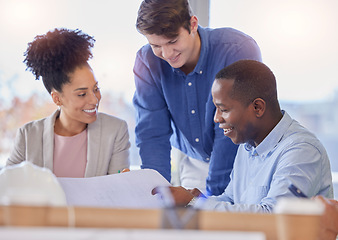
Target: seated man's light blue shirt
{"x": 261, "y": 175}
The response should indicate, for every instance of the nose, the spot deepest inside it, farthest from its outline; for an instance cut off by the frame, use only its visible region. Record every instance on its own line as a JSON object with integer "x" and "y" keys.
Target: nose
{"x": 94, "y": 98}
{"x": 218, "y": 117}
{"x": 167, "y": 52}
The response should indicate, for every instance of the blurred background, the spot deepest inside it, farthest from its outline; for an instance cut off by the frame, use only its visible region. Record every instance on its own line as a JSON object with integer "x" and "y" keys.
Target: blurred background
{"x": 298, "y": 40}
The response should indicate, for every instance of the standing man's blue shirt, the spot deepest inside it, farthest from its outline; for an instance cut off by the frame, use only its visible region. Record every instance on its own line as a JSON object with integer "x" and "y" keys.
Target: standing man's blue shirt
{"x": 261, "y": 175}
{"x": 175, "y": 109}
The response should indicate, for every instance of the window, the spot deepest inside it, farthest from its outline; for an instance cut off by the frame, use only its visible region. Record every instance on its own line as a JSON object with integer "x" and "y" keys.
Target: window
{"x": 297, "y": 39}
{"x": 22, "y": 99}
{"x": 298, "y": 42}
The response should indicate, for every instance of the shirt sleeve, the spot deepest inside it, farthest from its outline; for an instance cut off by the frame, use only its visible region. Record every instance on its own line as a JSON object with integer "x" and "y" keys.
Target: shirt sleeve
{"x": 153, "y": 122}
{"x": 301, "y": 164}
{"x": 248, "y": 49}
{"x": 218, "y": 205}
{"x": 120, "y": 157}
{"x": 18, "y": 153}
{"x": 304, "y": 165}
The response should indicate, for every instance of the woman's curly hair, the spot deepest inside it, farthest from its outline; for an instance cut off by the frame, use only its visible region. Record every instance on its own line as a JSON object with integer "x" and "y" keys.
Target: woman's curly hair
{"x": 56, "y": 54}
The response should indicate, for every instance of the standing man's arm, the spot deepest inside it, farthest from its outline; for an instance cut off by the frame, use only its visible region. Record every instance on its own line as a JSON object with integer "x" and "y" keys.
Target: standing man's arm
{"x": 221, "y": 163}
{"x": 224, "y": 151}
{"x": 153, "y": 126}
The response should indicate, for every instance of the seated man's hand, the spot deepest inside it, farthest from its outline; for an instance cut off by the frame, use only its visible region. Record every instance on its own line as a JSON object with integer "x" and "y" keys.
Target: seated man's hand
{"x": 196, "y": 192}
{"x": 180, "y": 195}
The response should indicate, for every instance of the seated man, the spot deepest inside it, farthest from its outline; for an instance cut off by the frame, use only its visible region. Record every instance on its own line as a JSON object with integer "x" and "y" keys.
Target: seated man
{"x": 275, "y": 150}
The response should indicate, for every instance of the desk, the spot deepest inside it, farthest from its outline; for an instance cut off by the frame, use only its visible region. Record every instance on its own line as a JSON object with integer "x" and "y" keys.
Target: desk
{"x": 146, "y": 219}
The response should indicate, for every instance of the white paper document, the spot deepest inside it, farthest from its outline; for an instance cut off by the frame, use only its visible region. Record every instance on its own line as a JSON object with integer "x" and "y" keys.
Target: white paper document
{"x": 124, "y": 190}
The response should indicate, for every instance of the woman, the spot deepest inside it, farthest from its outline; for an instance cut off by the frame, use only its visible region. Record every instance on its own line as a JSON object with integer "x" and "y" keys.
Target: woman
{"x": 76, "y": 140}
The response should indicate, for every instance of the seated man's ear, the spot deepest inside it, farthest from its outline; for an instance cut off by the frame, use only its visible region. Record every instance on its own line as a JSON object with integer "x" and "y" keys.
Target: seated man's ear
{"x": 259, "y": 107}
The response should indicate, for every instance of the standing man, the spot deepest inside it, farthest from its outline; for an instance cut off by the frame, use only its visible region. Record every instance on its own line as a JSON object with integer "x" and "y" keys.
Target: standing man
{"x": 173, "y": 77}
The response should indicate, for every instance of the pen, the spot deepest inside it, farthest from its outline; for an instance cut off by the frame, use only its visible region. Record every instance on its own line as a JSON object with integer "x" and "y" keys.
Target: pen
{"x": 296, "y": 191}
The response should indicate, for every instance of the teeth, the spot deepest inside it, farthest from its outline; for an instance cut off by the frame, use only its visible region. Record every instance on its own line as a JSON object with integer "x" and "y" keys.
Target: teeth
{"x": 227, "y": 130}
{"x": 90, "y": 111}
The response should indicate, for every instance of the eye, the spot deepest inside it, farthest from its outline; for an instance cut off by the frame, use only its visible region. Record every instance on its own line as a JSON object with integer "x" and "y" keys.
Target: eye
{"x": 222, "y": 109}
{"x": 82, "y": 94}
{"x": 173, "y": 41}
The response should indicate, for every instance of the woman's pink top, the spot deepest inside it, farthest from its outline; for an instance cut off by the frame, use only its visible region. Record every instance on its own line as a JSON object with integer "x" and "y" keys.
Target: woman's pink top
{"x": 70, "y": 155}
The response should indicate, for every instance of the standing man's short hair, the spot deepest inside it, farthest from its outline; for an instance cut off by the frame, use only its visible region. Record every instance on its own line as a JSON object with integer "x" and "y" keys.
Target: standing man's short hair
{"x": 163, "y": 17}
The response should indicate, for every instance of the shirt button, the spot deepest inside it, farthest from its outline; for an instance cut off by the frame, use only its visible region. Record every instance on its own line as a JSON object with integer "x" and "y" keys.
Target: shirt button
{"x": 207, "y": 159}
{"x": 189, "y": 84}
{"x": 197, "y": 139}
{"x": 193, "y": 111}
{"x": 201, "y": 72}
